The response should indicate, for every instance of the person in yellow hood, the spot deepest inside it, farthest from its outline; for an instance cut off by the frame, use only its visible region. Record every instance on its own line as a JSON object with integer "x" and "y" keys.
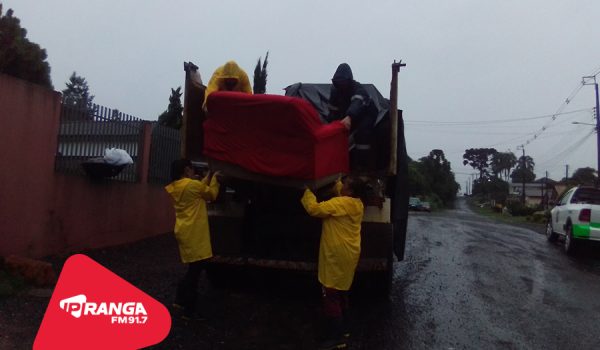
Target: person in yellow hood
{"x": 191, "y": 228}
{"x": 339, "y": 251}
{"x": 228, "y": 77}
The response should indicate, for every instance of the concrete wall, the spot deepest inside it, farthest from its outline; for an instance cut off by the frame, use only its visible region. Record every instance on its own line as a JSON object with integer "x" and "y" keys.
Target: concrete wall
{"x": 43, "y": 212}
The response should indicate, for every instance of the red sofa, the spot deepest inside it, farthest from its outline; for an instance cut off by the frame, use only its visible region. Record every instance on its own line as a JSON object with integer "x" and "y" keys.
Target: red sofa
{"x": 273, "y": 135}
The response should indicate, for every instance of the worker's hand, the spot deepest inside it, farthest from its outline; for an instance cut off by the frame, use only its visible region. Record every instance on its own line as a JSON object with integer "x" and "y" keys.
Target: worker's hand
{"x": 347, "y": 122}
{"x": 213, "y": 174}
{"x": 217, "y": 174}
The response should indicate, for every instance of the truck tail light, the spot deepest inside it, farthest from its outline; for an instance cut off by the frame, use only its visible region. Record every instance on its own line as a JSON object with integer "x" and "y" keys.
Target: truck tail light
{"x": 585, "y": 215}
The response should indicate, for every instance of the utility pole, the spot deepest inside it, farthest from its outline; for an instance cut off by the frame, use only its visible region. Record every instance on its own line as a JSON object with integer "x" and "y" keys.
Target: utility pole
{"x": 588, "y": 81}
{"x": 567, "y": 173}
{"x": 546, "y": 187}
{"x": 469, "y": 185}
{"x": 522, "y": 174}
{"x": 543, "y": 187}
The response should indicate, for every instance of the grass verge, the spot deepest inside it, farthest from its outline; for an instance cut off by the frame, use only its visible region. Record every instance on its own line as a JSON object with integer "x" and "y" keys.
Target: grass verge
{"x": 520, "y": 221}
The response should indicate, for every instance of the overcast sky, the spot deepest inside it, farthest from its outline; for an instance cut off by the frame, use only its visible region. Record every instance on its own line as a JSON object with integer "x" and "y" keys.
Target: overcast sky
{"x": 470, "y": 63}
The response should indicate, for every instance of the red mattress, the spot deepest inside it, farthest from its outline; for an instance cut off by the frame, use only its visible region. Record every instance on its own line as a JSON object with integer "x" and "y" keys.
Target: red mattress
{"x": 274, "y": 135}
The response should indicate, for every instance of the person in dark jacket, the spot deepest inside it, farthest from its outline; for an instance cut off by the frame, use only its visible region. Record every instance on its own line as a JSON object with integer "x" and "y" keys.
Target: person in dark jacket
{"x": 350, "y": 103}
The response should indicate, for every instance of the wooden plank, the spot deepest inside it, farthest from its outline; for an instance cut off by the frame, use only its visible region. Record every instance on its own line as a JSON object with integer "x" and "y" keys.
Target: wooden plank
{"x": 191, "y": 131}
{"x": 394, "y": 117}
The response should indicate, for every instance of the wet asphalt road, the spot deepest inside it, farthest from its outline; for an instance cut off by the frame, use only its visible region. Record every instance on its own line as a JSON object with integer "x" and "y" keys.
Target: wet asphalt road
{"x": 469, "y": 283}
{"x": 466, "y": 283}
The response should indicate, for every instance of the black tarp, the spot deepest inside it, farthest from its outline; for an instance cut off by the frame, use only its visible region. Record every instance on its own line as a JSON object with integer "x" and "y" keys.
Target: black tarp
{"x": 318, "y": 96}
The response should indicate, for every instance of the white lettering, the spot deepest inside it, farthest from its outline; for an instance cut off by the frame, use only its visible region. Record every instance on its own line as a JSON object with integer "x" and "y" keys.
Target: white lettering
{"x": 115, "y": 309}
{"x": 102, "y": 309}
{"x": 73, "y": 305}
{"x": 78, "y": 305}
{"x": 90, "y": 308}
{"x": 129, "y": 309}
{"x": 139, "y": 309}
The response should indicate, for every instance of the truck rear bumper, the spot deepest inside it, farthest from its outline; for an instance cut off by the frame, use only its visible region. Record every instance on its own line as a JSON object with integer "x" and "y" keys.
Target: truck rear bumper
{"x": 364, "y": 265}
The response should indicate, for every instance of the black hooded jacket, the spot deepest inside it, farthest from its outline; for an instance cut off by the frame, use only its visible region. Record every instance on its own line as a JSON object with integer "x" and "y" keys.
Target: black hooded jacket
{"x": 349, "y": 98}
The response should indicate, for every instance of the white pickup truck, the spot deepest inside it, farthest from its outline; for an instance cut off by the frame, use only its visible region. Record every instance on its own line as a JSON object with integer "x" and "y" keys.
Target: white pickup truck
{"x": 576, "y": 217}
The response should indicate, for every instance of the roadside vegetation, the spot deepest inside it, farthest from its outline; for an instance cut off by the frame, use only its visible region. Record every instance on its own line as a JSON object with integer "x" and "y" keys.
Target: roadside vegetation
{"x": 431, "y": 180}
{"x": 490, "y": 191}
{"x": 535, "y": 220}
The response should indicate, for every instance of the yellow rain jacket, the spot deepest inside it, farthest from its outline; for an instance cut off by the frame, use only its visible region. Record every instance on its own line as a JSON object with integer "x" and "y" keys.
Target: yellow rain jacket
{"x": 191, "y": 217}
{"x": 340, "y": 238}
{"x": 228, "y": 70}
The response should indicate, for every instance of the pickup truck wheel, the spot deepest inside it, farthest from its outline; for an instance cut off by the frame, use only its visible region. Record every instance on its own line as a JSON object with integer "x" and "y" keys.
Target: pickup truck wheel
{"x": 570, "y": 245}
{"x": 550, "y": 234}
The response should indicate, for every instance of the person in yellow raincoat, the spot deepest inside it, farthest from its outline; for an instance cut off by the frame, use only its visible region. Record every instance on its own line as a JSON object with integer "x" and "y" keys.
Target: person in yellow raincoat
{"x": 228, "y": 77}
{"x": 191, "y": 228}
{"x": 338, "y": 253}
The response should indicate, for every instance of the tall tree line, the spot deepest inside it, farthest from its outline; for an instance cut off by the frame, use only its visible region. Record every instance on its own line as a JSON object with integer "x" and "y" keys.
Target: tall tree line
{"x": 495, "y": 168}
{"x": 431, "y": 176}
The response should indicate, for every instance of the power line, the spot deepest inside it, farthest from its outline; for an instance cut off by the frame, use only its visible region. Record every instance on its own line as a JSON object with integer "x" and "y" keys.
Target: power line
{"x": 565, "y": 138}
{"x": 558, "y": 112}
{"x": 489, "y": 146}
{"x": 476, "y": 130}
{"x": 596, "y": 72}
{"x": 570, "y": 149}
{"x": 520, "y": 137}
{"x": 562, "y": 107}
{"x": 485, "y": 122}
{"x": 476, "y": 133}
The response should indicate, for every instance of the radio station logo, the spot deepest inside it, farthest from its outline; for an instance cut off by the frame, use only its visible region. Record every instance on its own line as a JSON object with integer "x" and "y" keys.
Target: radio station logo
{"x": 122, "y": 313}
{"x": 93, "y": 308}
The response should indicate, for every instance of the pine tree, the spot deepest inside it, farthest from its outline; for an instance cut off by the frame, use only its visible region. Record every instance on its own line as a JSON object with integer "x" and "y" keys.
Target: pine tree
{"x": 77, "y": 97}
{"x": 20, "y": 57}
{"x": 173, "y": 116}
{"x": 260, "y": 76}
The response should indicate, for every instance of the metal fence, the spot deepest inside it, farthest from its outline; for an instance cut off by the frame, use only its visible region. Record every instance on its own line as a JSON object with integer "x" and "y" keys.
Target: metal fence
{"x": 164, "y": 149}
{"x": 85, "y": 133}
